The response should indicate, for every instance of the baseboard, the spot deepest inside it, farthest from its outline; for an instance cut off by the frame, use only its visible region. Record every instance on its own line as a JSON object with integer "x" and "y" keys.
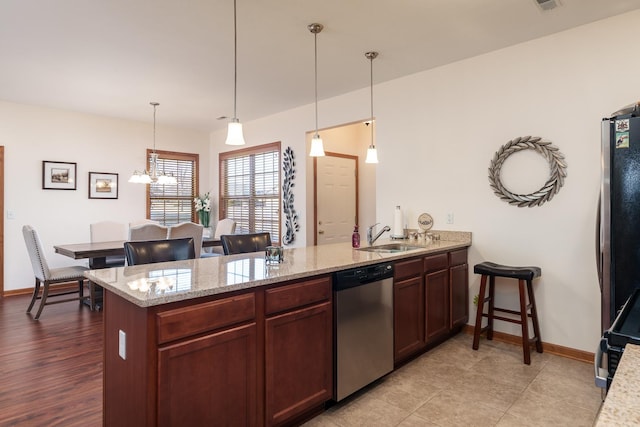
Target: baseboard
{"x": 558, "y": 350}
{"x": 29, "y": 291}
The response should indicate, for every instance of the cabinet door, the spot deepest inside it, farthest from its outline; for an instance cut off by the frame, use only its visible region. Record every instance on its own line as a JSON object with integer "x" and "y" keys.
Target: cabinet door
{"x": 459, "y": 295}
{"x": 408, "y": 313}
{"x": 299, "y": 362}
{"x": 209, "y": 380}
{"x": 436, "y": 285}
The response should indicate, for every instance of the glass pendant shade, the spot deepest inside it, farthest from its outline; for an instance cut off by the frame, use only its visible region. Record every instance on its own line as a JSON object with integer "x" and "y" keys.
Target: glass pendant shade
{"x": 140, "y": 178}
{"x": 372, "y": 155}
{"x": 317, "y": 148}
{"x": 234, "y": 133}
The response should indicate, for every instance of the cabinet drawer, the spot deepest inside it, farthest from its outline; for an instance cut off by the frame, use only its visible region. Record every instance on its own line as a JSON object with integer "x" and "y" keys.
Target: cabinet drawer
{"x": 406, "y": 269}
{"x": 297, "y": 295}
{"x": 458, "y": 257}
{"x": 436, "y": 262}
{"x": 187, "y": 321}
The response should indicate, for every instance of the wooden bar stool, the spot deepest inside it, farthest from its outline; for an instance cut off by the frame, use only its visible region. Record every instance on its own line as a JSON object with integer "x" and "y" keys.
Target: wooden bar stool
{"x": 524, "y": 275}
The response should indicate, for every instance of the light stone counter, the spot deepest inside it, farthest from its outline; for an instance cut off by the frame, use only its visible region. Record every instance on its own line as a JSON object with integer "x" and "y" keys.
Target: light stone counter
{"x": 622, "y": 404}
{"x": 161, "y": 283}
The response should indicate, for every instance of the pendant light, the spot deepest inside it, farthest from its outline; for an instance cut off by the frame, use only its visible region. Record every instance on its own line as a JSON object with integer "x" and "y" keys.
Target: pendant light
{"x": 234, "y": 131}
{"x": 152, "y": 176}
{"x": 372, "y": 152}
{"x": 317, "y": 150}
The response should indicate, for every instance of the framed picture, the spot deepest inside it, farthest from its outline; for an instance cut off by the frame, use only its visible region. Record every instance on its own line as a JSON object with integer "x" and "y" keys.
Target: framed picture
{"x": 58, "y": 175}
{"x": 103, "y": 185}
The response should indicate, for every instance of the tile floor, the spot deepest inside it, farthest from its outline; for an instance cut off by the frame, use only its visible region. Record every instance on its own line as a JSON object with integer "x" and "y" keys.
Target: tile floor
{"x": 453, "y": 385}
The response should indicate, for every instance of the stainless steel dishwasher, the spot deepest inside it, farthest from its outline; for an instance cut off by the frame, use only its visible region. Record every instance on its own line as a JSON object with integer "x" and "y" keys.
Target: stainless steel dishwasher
{"x": 363, "y": 304}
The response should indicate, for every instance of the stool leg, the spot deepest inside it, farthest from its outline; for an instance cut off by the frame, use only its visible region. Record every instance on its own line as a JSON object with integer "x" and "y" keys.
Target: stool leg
{"x": 478, "y": 328}
{"x": 492, "y": 297}
{"x": 525, "y": 323}
{"x": 534, "y": 316}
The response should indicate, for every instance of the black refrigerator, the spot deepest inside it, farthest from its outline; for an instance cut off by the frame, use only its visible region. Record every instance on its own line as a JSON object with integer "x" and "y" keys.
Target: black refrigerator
{"x": 618, "y": 234}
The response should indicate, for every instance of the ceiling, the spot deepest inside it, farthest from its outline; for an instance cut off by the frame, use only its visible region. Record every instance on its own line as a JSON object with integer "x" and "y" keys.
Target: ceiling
{"x": 112, "y": 57}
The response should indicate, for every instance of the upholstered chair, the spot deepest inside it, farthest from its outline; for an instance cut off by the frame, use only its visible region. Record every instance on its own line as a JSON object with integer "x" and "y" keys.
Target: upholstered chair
{"x": 46, "y": 276}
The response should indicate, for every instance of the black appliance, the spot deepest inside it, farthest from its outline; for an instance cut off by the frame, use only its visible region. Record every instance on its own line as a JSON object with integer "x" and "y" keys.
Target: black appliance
{"x": 625, "y": 330}
{"x": 619, "y": 215}
{"x": 618, "y": 239}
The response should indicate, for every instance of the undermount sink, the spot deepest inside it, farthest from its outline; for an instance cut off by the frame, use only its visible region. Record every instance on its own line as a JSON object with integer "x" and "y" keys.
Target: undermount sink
{"x": 390, "y": 248}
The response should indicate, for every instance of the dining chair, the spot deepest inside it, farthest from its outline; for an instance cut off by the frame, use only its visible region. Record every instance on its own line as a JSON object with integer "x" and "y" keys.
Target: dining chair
{"x": 143, "y": 221}
{"x": 108, "y": 231}
{"x": 225, "y": 226}
{"x": 188, "y": 229}
{"x": 152, "y": 251}
{"x": 243, "y": 243}
{"x": 46, "y": 276}
{"x": 148, "y": 232}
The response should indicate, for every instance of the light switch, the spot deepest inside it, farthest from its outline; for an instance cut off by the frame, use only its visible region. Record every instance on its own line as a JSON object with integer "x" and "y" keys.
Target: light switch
{"x": 122, "y": 344}
{"x": 11, "y": 214}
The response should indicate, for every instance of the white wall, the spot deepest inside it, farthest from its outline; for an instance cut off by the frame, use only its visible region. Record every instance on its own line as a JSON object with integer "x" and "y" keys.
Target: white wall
{"x": 438, "y": 130}
{"x": 32, "y": 134}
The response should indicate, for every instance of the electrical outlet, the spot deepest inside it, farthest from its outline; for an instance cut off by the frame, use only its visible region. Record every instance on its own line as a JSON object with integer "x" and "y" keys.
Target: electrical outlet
{"x": 450, "y": 218}
{"x": 122, "y": 344}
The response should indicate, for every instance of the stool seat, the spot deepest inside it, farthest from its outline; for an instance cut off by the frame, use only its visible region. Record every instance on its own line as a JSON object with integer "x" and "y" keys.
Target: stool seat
{"x": 493, "y": 269}
{"x": 525, "y": 276}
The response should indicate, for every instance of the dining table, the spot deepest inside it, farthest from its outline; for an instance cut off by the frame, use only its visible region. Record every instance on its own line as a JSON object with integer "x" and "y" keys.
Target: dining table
{"x": 97, "y": 252}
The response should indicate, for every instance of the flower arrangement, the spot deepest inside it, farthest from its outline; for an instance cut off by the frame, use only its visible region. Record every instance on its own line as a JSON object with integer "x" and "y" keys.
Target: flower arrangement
{"x": 203, "y": 208}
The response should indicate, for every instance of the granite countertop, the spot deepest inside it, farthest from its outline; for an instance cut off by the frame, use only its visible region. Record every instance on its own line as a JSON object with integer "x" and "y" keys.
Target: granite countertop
{"x": 155, "y": 284}
{"x": 622, "y": 404}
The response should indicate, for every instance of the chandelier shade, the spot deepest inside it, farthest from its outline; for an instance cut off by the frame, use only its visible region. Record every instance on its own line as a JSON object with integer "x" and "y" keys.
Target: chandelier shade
{"x": 152, "y": 176}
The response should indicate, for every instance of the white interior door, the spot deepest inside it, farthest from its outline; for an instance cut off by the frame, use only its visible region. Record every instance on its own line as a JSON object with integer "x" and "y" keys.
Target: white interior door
{"x": 336, "y": 198}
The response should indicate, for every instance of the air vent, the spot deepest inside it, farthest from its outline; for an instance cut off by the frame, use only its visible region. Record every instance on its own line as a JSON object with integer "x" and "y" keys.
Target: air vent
{"x": 547, "y": 4}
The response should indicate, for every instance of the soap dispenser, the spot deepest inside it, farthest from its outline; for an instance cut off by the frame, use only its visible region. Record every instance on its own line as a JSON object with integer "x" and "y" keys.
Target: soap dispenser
{"x": 355, "y": 238}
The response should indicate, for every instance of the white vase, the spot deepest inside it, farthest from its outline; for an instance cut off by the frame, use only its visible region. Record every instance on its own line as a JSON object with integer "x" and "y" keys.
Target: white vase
{"x": 207, "y": 232}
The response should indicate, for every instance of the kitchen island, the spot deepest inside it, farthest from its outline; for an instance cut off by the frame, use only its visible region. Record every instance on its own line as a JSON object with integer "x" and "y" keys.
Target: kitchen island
{"x": 233, "y": 341}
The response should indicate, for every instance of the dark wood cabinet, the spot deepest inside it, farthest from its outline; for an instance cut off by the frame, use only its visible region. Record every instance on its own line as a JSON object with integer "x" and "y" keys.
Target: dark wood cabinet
{"x": 458, "y": 289}
{"x": 298, "y": 349}
{"x": 253, "y": 358}
{"x": 430, "y": 301}
{"x": 436, "y": 286}
{"x": 210, "y": 380}
{"x": 408, "y": 296}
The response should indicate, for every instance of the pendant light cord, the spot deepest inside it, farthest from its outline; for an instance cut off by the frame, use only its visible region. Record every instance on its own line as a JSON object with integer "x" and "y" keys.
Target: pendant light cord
{"x": 315, "y": 42}
{"x": 371, "y": 124}
{"x": 155, "y": 104}
{"x": 235, "y": 61}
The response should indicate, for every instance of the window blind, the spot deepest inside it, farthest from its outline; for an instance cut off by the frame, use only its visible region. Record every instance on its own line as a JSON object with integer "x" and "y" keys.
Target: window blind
{"x": 172, "y": 204}
{"x": 250, "y": 189}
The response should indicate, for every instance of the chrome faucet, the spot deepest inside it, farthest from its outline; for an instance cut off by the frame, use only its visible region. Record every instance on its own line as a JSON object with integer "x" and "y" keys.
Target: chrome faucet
{"x": 371, "y": 238}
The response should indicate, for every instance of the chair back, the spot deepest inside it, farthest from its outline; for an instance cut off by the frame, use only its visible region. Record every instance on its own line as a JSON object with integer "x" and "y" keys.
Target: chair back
{"x": 243, "y": 243}
{"x": 36, "y": 254}
{"x": 188, "y": 229}
{"x": 107, "y": 231}
{"x": 143, "y": 221}
{"x": 225, "y": 226}
{"x": 148, "y": 232}
{"x": 152, "y": 251}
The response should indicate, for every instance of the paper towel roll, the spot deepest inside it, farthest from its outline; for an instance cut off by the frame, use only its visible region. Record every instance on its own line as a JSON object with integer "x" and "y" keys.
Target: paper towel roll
{"x": 398, "y": 228}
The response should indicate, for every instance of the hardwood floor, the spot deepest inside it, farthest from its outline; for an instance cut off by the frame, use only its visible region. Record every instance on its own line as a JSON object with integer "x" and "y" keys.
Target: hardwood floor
{"x": 51, "y": 369}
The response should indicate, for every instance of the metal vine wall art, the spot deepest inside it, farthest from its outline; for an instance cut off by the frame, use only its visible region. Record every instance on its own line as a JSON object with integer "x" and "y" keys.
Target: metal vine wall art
{"x": 291, "y": 221}
{"x": 557, "y": 173}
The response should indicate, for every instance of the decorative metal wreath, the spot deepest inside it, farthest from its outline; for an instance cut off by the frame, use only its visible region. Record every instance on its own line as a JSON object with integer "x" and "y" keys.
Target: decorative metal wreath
{"x": 557, "y": 172}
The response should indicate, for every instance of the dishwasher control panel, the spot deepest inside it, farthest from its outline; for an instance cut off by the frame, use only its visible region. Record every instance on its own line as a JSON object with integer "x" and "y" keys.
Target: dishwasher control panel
{"x": 362, "y": 275}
